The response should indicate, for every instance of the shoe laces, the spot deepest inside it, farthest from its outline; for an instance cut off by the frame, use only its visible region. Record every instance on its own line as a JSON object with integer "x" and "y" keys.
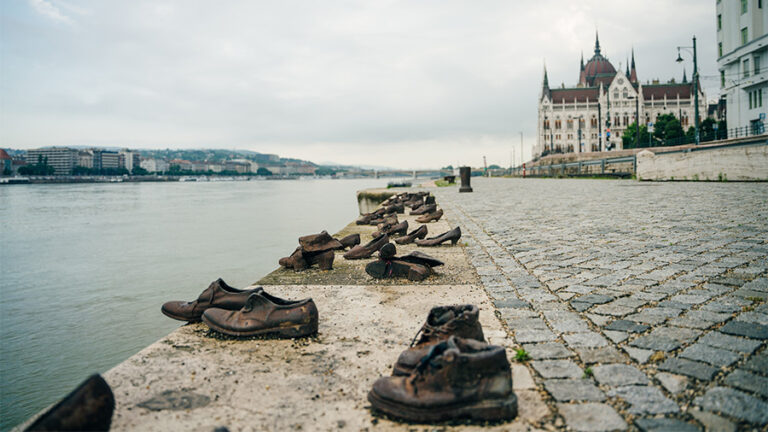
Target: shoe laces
{"x": 429, "y": 332}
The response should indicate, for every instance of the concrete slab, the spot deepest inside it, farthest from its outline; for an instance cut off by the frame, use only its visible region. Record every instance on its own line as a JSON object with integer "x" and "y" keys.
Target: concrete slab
{"x": 314, "y": 383}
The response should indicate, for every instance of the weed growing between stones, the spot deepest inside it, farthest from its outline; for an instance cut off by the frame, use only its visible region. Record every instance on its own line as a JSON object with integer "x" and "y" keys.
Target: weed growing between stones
{"x": 587, "y": 372}
{"x": 522, "y": 355}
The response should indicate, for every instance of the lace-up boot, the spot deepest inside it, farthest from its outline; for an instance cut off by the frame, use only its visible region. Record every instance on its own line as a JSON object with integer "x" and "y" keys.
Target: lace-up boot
{"x": 442, "y": 323}
{"x": 457, "y": 378}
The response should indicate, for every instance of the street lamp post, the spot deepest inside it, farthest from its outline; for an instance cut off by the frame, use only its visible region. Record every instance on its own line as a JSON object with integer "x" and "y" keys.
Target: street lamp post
{"x": 637, "y": 119}
{"x": 694, "y": 83}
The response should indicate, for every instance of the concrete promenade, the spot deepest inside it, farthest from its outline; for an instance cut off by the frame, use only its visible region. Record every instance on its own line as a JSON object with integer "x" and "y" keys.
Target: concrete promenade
{"x": 642, "y": 305}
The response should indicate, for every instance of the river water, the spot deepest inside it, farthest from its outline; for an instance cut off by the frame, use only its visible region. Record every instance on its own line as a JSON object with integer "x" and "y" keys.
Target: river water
{"x": 84, "y": 268}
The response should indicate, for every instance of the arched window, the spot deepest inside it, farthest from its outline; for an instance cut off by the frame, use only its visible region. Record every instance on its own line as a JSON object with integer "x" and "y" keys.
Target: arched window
{"x": 593, "y": 122}
{"x": 570, "y": 123}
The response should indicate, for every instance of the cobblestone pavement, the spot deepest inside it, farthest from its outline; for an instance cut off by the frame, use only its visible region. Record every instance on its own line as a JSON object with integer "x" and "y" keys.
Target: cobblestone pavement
{"x": 642, "y": 305}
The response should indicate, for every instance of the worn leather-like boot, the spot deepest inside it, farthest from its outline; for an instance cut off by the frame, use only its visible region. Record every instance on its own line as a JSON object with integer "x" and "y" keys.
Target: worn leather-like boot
{"x": 453, "y": 236}
{"x": 88, "y": 408}
{"x": 365, "y": 219}
{"x": 319, "y": 242}
{"x": 365, "y": 251}
{"x": 384, "y": 269}
{"x": 218, "y": 294}
{"x": 426, "y": 208}
{"x": 350, "y": 241}
{"x": 442, "y": 323}
{"x": 296, "y": 261}
{"x": 430, "y": 199}
{"x": 419, "y": 232}
{"x": 457, "y": 378}
{"x": 434, "y": 216}
{"x": 264, "y": 314}
{"x": 324, "y": 259}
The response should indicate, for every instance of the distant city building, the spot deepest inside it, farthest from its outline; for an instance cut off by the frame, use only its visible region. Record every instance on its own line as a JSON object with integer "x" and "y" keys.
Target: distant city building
{"x": 183, "y": 164}
{"x": 108, "y": 160}
{"x": 6, "y": 163}
{"x": 62, "y": 159}
{"x": 742, "y": 48}
{"x": 85, "y": 158}
{"x": 237, "y": 166}
{"x": 154, "y": 165}
{"x": 130, "y": 159}
{"x": 593, "y": 114}
{"x": 253, "y": 166}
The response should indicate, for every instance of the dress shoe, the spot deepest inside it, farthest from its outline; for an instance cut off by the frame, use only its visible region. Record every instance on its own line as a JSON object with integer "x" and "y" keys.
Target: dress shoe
{"x": 350, "y": 241}
{"x": 264, "y": 314}
{"x": 365, "y": 219}
{"x": 218, "y": 295}
{"x": 453, "y": 236}
{"x": 426, "y": 208}
{"x": 392, "y": 230}
{"x": 385, "y": 269}
{"x": 442, "y": 323}
{"x": 419, "y": 232}
{"x": 429, "y": 199}
{"x": 435, "y": 216}
{"x": 88, "y": 408}
{"x": 365, "y": 251}
{"x": 458, "y": 378}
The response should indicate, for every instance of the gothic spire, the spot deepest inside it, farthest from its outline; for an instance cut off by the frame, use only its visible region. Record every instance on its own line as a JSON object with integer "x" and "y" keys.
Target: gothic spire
{"x": 546, "y": 81}
{"x": 627, "y": 71}
{"x": 582, "y": 60}
{"x": 685, "y": 78}
{"x": 633, "y": 71}
{"x": 597, "y": 44}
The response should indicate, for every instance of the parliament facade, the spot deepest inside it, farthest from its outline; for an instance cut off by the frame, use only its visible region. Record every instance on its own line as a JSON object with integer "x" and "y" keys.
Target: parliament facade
{"x": 593, "y": 115}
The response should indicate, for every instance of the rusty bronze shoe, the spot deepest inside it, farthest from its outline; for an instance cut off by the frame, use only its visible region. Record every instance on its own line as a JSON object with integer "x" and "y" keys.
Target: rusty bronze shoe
{"x": 426, "y": 208}
{"x": 324, "y": 259}
{"x": 392, "y": 230}
{"x": 365, "y": 251}
{"x": 296, "y": 261}
{"x": 350, "y": 241}
{"x": 218, "y": 295}
{"x": 385, "y": 269}
{"x": 435, "y": 216}
{"x": 265, "y": 314}
{"x": 453, "y": 236}
{"x": 88, "y": 408}
{"x": 458, "y": 378}
{"x": 319, "y": 242}
{"x": 419, "y": 232}
{"x": 365, "y": 219}
{"x": 430, "y": 199}
{"x": 442, "y": 323}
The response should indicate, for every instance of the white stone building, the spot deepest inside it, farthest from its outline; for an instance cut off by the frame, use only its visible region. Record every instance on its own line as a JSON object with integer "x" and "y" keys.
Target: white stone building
{"x": 154, "y": 165}
{"x": 742, "y": 49}
{"x": 593, "y": 114}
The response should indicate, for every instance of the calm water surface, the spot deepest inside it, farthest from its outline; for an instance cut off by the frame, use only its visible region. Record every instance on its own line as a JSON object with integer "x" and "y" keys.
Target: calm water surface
{"x": 84, "y": 268}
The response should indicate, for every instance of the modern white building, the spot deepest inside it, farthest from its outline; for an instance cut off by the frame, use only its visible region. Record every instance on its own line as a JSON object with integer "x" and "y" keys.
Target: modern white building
{"x": 742, "y": 49}
{"x": 593, "y": 114}
{"x": 154, "y": 165}
{"x": 130, "y": 159}
{"x": 62, "y": 159}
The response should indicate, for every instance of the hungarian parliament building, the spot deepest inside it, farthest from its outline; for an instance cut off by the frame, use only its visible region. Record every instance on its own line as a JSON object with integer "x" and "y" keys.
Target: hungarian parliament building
{"x": 593, "y": 115}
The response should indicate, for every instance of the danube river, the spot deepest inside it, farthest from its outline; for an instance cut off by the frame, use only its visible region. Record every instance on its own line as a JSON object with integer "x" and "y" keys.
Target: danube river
{"x": 84, "y": 268}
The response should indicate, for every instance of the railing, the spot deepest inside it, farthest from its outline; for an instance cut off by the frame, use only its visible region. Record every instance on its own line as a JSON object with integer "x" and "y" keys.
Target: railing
{"x": 704, "y": 136}
{"x": 582, "y": 168}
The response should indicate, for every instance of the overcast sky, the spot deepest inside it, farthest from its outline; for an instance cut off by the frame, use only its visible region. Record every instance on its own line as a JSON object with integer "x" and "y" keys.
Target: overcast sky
{"x": 397, "y": 83}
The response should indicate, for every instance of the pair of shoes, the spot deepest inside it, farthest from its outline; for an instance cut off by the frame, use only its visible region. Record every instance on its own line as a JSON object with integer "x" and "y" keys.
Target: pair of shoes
{"x": 317, "y": 249}
{"x": 368, "y": 249}
{"x": 448, "y": 373}
{"x": 391, "y": 230}
{"x": 415, "y": 266}
{"x": 453, "y": 236}
{"x": 419, "y": 233}
{"x": 250, "y": 312}
{"x": 429, "y": 217}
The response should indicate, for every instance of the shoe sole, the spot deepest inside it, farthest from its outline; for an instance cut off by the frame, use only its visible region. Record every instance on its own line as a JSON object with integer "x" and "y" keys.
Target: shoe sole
{"x": 486, "y": 410}
{"x": 177, "y": 317}
{"x": 288, "y": 332}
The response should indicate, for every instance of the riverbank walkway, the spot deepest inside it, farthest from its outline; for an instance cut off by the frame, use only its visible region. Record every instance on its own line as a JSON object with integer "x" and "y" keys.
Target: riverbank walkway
{"x": 642, "y": 306}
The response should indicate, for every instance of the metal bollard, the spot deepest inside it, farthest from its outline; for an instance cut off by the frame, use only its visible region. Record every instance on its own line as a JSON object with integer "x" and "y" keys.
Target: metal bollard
{"x": 465, "y": 173}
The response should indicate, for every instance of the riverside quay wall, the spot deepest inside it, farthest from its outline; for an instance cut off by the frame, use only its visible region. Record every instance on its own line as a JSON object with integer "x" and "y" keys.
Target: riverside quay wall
{"x": 635, "y": 306}
{"x": 745, "y": 162}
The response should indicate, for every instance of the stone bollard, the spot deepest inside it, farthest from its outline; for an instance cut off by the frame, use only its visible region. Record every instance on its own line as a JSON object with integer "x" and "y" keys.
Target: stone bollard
{"x": 465, "y": 173}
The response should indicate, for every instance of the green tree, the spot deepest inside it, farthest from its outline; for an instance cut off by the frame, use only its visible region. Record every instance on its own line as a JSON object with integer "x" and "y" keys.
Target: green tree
{"x": 668, "y": 130}
{"x": 449, "y": 167}
{"x": 493, "y": 166}
{"x": 707, "y": 130}
{"x": 263, "y": 172}
{"x": 628, "y": 138}
{"x": 137, "y": 170}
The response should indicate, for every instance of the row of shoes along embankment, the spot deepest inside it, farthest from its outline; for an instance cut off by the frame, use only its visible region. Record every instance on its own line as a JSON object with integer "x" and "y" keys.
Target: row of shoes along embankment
{"x": 197, "y": 379}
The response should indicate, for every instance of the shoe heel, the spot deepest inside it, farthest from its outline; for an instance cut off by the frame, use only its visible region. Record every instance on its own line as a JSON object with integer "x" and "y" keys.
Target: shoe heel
{"x": 454, "y": 241}
{"x": 298, "y": 330}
